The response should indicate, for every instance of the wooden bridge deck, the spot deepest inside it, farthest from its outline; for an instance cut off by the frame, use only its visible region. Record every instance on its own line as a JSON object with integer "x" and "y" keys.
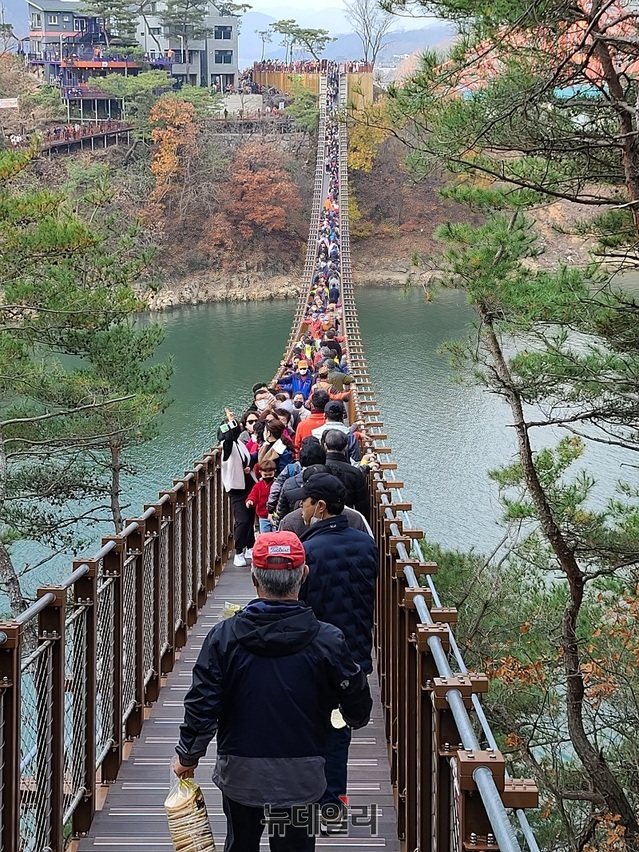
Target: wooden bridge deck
{"x": 133, "y": 813}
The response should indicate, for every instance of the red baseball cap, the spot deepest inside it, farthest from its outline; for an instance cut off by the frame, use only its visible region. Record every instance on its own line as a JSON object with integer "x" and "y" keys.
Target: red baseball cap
{"x": 278, "y": 550}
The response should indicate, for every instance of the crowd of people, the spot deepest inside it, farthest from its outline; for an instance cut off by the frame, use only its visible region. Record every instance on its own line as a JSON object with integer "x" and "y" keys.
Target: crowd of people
{"x": 312, "y": 66}
{"x": 67, "y": 133}
{"x": 283, "y": 682}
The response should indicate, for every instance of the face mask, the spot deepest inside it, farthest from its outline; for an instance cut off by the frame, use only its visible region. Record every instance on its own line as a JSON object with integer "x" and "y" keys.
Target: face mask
{"x": 314, "y": 519}
{"x": 298, "y": 403}
{"x": 261, "y": 404}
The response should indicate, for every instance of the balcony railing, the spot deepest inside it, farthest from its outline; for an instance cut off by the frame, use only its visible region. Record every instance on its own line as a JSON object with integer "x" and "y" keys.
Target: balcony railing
{"x": 81, "y": 53}
{"x": 84, "y": 92}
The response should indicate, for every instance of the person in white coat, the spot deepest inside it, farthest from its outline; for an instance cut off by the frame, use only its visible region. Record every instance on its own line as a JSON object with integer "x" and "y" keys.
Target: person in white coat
{"x": 238, "y": 480}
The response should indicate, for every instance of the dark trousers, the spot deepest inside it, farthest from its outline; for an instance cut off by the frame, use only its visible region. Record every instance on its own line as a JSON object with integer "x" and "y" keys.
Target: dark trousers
{"x": 244, "y": 518}
{"x": 335, "y": 768}
{"x": 244, "y": 829}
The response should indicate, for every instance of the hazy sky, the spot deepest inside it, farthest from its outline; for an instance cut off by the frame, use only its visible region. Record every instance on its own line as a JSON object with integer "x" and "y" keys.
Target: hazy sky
{"x": 330, "y": 14}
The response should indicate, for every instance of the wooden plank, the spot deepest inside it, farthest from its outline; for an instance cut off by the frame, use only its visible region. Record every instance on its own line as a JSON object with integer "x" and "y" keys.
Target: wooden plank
{"x": 133, "y": 814}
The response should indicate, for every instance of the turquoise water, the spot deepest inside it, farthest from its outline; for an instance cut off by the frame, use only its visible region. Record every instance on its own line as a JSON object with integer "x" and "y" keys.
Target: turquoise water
{"x": 444, "y": 435}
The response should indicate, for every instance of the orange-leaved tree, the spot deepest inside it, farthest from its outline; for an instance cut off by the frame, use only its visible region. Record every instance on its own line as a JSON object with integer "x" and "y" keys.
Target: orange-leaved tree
{"x": 260, "y": 195}
{"x": 174, "y": 132}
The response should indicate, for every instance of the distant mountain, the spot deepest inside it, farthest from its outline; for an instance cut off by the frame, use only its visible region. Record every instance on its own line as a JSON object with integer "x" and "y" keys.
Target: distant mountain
{"x": 15, "y": 12}
{"x": 346, "y": 45}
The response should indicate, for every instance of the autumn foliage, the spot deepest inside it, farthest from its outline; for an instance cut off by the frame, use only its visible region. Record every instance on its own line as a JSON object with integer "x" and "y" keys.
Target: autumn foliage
{"x": 174, "y": 133}
{"x": 258, "y": 198}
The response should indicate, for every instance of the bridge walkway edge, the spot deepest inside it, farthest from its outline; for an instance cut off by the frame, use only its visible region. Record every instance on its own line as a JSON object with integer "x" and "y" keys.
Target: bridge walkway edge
{"x": 133, "y": 813}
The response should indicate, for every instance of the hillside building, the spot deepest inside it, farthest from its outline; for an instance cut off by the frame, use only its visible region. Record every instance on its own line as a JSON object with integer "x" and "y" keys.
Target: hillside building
{"x": 69, "y": 47}
{"x": 211, "y": 61}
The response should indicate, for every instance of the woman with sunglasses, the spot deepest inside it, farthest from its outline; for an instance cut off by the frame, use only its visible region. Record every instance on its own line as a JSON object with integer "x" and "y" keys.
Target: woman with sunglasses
{"x": 249, "y": 436}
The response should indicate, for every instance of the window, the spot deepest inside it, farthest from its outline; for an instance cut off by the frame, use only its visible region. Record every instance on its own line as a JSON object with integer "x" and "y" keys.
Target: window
{"x": 79, "y": 25}
{"x": 224, "y": 32}
{"x": 153, "y": 8}
{"x": 155, "y": 30}
{"x": 66, "y": 19}
{"x": 36, "y": 21}
{"x": 223, "y": 57}
{"x": 53, "y": 19}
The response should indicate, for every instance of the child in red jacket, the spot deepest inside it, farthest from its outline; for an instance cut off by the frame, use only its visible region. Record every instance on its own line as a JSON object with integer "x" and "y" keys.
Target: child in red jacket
{"x": 258, "y": 496}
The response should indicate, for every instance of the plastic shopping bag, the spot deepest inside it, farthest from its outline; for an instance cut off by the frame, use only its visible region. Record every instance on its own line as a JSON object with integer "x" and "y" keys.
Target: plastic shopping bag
{"x": 230, "y": 609}
{"x": 188, "y": 820}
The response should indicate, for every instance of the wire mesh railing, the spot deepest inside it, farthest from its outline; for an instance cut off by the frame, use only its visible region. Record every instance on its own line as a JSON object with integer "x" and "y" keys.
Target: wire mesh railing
{"x": 79, "y": 666}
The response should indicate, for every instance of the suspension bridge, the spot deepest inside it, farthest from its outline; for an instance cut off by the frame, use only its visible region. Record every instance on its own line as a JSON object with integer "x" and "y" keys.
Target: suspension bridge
{"x": 93, "y": 674}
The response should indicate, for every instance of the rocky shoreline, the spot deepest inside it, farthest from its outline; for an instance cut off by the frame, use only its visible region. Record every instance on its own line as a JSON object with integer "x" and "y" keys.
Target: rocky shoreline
{"x": 202, "y": 288}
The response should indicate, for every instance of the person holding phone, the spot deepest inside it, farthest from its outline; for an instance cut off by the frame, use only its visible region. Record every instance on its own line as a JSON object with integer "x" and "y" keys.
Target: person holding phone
{"x": 238, "y": 479}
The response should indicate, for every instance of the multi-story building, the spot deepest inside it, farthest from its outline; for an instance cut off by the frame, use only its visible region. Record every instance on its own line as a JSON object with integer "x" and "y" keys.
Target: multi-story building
{"x": 58, "y": 29}
{"x": 69, "y": 46}
{"x": 211, "y": 61}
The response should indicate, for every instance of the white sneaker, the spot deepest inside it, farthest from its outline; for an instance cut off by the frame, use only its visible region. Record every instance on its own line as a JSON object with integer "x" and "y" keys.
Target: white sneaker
{"x": 248, "y": 553}
{"x": 239, "y": 561}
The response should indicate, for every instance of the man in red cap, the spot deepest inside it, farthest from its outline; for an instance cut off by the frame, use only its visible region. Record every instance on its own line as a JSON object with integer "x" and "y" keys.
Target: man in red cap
{"x": 266, "y": 681}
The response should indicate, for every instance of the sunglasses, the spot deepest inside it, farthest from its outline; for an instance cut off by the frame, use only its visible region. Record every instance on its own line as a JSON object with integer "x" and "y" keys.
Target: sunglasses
{"x": 254, "y": 420}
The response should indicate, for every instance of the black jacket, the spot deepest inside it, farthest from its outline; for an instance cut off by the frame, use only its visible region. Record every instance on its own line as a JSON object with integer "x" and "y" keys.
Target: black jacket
{"x": 343, "y": 566}
{"x": 291, "y": 495}
{"x": 354, "y": 480}
{"x": 266, "y": 681}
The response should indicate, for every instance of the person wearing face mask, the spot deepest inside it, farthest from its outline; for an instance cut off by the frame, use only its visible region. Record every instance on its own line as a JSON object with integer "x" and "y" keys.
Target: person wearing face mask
{"x": 263, "y": 399}
{"x": 299, "y": 403}
{"x": 340, "y": 588}
{"x": 299, "y": 382}
{"x": 237, "y": 480}
{"x": 258, "y": 495}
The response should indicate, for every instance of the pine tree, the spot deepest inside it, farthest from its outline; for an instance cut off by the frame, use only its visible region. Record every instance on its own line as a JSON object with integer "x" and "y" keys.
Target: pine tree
{"x": 184, "y": 19}
{"x": 540, "y": 96}
{"x": 558, "y": 348}
{"x": 66, "y": 285}
{"x": 117, "y": 18}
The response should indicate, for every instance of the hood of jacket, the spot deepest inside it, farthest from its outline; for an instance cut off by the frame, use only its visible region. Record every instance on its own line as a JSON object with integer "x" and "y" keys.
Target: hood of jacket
{"x": 275, "y": 628}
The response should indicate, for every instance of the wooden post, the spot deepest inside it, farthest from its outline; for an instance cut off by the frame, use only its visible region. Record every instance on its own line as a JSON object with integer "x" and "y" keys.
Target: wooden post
{"x": 86, "y": 594}
{"x": 168, "y": 519}
{"x": 50, "y": 732}
{"x": 10, "y": 688}
{"x": 113, "y": 567}
{"x": 135, "y": 544}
